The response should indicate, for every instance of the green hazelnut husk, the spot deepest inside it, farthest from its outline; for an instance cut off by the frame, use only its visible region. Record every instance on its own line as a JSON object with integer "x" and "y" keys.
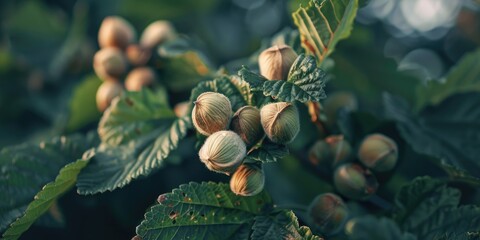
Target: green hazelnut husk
{"x": 212, "y": 113}
{"x": 355, "y": 181}
{"x": 116, "y": 32}
{"x": 223, "y": 152}
{"x": 248, "y": 180}
{"x": 320, "y": 154}
{"x": 327, "y": 213}
{"x": 157, "y": 33}
{"x": 109, "y": 64}
{"x": 139, "y": 78}
{"x": 378, "y": 152}
{"x": 106, "y": 92}
{"x": 280, "y": 121}
{"x": 246, "y": 123}
{"x": 340, "y": 148}
{"x": 276, "y": 61}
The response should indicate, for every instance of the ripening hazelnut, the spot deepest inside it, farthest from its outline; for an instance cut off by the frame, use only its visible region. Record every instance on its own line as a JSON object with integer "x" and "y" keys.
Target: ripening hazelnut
{"x": 248, "y": 180}
{"x": 211, "y": 113}
{"x": 275, "y": 62}
{"x": 340, "y": 149}
{"x": 223, "y": 152}
{"x": 378, "y": 152}
{"x": 337, "y": 101}
{"x": 328, "y": 213}
{"x": 157, "y": 33}
{"x": 138, "y": 55}
{"x": 320, "y": 154}
{"x": 106, "y": 92}
{"x": 140, "y": 77}
{"x": 280, "y": 121}
{"x": 109, "y": 64}
{"x": 116, "y": 32}
{"x": 246, "y": 123}
{"x": 354, "y": 181}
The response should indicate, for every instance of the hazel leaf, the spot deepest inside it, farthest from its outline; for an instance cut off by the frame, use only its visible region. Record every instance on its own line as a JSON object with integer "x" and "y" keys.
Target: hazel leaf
{"x": 280, "y": 225}
{"x": 44, "y": 199}
{"x": 322, "y": 24}
{"x": 138, "y": 132}
{"x": 369, "y": 227}
{"x": 26, "y": 168}
{"x": 305, "y": 82}
{"x": 268, "y": 152}
{"x": 202, "y": 211}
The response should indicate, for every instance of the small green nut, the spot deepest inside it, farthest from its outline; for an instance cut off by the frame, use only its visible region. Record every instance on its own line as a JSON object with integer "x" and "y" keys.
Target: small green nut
{"x": 157, "y": 33}
{"x": 335, "y": 102}
{"x": 212, "y": 113}
{"x": 320, "y": 154}
{"x": 246, "y": 123}
{"x": 139, "y": 78}
{"x": 340, "y": 148}
{"x": 116, "y": 32}
{"x": 106, "y": 92}
{"x": 109, "y": 64}
{"x": 223, "y": 152}
{"x": 378, "y": 152}
{"x": 248, "y": 180}
{"x": 275, "y": 62}
{"x": 280, "y": 121}
{"x": 354, "y": 181}
{"x": 327, "y": 213}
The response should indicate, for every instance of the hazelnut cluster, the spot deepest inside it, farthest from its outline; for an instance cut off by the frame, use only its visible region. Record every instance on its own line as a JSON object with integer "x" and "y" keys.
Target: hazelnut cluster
{"x": 376, "y": 152}
{"x": 121, "y": 57}
{"x": 230, "y": 134}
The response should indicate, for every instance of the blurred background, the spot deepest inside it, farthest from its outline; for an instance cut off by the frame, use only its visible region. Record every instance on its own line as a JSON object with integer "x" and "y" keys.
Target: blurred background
{"x": 47, "y": 84}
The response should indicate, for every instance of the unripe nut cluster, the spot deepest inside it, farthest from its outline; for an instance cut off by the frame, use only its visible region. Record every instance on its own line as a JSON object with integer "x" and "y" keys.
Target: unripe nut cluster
{"x": 280, "y": 121}
{"x": 223, "y": 152}
{"x": 378, "y": 152}
{"x": 246, "y": 123}
{"x": 248, "y": 180}
{"x": 328, "y": 213}
{"x": 212, "y": 113}
{"x": 275, "y": 62}
{"x": 355, "y": 181}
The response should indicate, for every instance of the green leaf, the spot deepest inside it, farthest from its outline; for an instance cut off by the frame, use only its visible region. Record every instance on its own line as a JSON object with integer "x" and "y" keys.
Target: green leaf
{"x": 449, "y": 131}
{"x": 226, "y": 86}
{"x": 181, "y": 65}
{"x": 27, "y": 167}
{"x": 464, "y": 77}
{"x": 417, "y": 201}
{"x": 323, "y": 25}
{"x": 45, "y": 198}
{"x": 429, "y": 209}
{"x": 268, "y": 152}
{"x": 134, "y": 115}
{"x": 83, "y": 107}
{"x": 281, "y": 225}
{"x": 371, "y": 228}
{"x": 202, "y": 211}
{"x": 115, "y": 166}
{"x": 305, "y": 82}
